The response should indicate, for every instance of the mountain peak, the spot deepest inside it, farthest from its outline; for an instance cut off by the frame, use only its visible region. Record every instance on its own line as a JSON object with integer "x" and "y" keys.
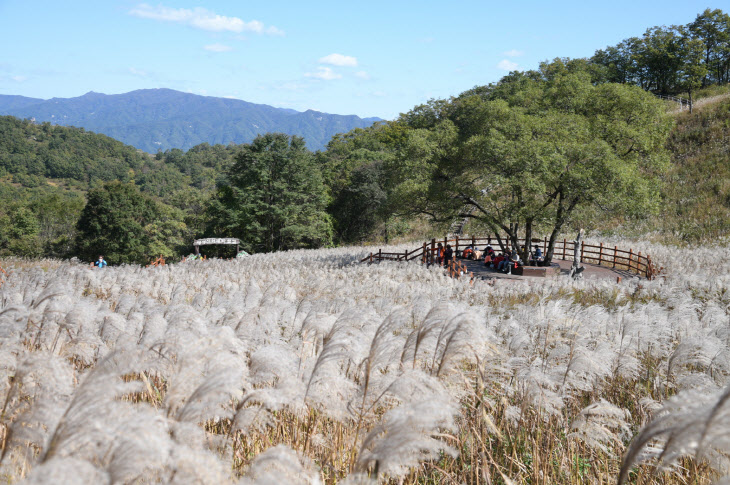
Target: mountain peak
{"x": 162, "y": 118}
{"x": 91, "y": 94}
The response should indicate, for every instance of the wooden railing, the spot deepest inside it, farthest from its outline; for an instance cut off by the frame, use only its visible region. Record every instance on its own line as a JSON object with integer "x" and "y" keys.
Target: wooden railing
{"x": 601, "y": 255}
{"x": 682, "y": 102}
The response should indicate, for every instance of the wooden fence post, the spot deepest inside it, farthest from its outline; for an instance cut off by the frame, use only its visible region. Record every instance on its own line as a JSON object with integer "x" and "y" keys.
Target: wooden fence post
{"x": 380, "y": 254}
{"x": 631, "y": 255}
{"x": 615, "y": 253}
{"x": 424, "y": 259}
{"x": 600, "y": 254}
{"x": 649, "y": 268}
{"x": 564, "y": 246}
{"x": 371, "y": 257}
{"x": 638, "y": 263}
{"x": 473, "y": 243}
{"x": 405, "y": 255}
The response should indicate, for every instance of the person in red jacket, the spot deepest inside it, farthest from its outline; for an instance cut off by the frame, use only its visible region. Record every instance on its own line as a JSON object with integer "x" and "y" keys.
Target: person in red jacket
{"x": 498, "y": 261}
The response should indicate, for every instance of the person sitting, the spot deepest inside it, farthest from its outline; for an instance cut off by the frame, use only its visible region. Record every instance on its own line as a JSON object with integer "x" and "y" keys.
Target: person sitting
{"x": 489, "y": 259}
{"x": 500, "y": 261}
{"x": 536, "y": 258}
{"x": 468, "y": 253}
{"x": 513, "y": 262}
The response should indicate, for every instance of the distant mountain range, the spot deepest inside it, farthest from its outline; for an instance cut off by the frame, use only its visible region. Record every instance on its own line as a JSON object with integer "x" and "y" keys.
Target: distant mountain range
{"x": 161, "y": 119}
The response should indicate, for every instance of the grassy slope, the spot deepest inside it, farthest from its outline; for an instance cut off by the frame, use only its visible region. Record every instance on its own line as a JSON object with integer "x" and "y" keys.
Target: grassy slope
{"x": 697, "y": 193}
{"x": 695, "y": 197}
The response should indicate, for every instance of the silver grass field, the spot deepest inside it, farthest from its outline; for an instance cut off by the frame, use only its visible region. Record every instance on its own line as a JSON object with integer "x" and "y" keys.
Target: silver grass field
{"x": 307, "y": 367}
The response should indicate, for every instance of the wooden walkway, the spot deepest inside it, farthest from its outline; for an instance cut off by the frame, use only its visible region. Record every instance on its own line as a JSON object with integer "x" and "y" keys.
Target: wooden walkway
{"x": 602, "y": 257}
{"x": 592, "y": 271}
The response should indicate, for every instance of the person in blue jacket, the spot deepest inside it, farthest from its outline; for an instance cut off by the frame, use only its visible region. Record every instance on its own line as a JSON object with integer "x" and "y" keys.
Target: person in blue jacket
{"x": 100, "y": 263}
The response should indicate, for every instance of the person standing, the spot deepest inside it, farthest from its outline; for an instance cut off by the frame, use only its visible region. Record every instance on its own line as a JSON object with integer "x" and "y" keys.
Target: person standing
{"x": 100, "y": 263}
{"x": 448, "y": 255}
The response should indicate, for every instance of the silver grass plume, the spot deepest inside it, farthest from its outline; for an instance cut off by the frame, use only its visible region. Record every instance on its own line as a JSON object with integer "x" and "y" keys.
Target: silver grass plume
{"x": 406, "y": 437}
{"x": 601, "y": 425}
{"x": 69, "y": 471}
{"x": 281, "y": 464}
{"x": 689, "y": 424}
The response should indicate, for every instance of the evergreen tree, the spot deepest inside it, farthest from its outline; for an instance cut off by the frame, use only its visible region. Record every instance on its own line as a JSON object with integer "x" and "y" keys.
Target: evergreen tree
{"x": 113, "y": 224}
{"x": 275, "y": 199}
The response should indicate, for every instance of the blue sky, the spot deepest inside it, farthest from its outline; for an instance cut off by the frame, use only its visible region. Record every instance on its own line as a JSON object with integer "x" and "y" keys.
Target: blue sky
{"x": 376, "y": 58}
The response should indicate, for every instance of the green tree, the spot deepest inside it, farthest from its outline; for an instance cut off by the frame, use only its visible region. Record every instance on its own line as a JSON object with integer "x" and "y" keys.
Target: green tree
{"x": 275, "y": 198}
{"x": 113, "y": 224}
{"x": 553, "y": 145}
{"x": 57, "y": 214}
{"x": 354, "y": 171}
{"x": 692, "y": 70}
{"x": 19, "y": 229}
{"x": 712, "y": 27}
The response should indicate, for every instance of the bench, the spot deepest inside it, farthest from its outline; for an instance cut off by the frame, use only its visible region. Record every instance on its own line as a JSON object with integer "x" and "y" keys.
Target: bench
{"x": 538, "y": 271}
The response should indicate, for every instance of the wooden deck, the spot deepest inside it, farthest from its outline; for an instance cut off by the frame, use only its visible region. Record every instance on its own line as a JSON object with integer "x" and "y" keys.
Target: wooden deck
{"x": 591, "y": 271}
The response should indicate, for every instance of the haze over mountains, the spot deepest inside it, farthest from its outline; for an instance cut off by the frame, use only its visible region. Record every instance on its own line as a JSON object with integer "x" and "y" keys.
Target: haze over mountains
{"x": 161, "y": 119}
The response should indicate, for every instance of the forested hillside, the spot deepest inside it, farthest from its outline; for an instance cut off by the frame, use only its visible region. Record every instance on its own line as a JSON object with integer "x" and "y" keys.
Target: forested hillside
{"x": 163, "y": 119}
{"x": 540, "y": 152}
{"x": 697, "y": 188}
{"x": 46, "y": 172}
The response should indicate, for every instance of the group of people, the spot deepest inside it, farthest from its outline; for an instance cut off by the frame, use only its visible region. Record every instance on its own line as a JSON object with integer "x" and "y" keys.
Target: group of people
{"x": 504, "y": 262}
{"x": 507, "y": 262}
{"x": 442, "y": 255}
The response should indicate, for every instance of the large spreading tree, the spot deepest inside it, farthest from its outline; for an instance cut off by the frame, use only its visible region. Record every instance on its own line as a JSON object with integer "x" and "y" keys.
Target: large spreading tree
{"x": 526, "y": 153}
{"x": 275, "y": 197}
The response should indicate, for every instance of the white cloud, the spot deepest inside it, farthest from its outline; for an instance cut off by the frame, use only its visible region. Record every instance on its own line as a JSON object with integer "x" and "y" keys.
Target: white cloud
{"x": 201, "y": 18}
{"x": 290, "y": 86}
{"x": 137, "y": 72}
{"x": 324, "y": 73}
{"x": 218, "y": 48}
{"x": 507, "y": 65}
{"x": 514, "y": 53}
{"x": 362, "y": 75}
{"x": 339, "y": 60}
{"x": 19, "y": 79}
{"x": 274, "y": 31}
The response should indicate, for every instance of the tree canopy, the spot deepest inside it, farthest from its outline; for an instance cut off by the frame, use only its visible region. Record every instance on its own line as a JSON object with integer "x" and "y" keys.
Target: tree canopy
{"x": 527, "y": 152}
{"x": 116, "y": 223}
{"x": 274, "y": 198}
{"x": 672, "y": 59}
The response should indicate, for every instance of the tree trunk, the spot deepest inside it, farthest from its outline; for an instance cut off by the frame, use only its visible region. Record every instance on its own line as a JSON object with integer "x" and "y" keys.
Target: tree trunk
{"x": 576, "y": 251}
{"x": 551, "y": 246}
{"x": 513, "y": 233}
{"x": 528, "y": 241}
